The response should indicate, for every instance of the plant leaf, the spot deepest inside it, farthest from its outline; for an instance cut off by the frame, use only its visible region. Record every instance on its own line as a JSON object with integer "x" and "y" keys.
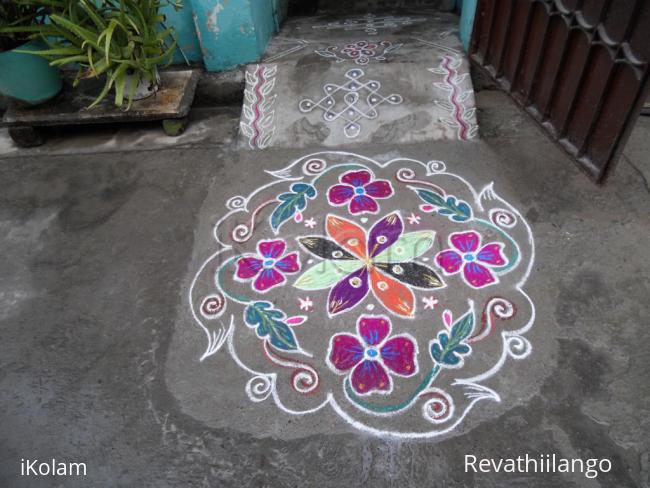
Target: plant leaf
{"x": 450, "y": 347}
{"x": 291, "y": 202}
{"x": 270, "y": 324}
{"x": 456, "y": 210}
{"x": 119, "y": 77}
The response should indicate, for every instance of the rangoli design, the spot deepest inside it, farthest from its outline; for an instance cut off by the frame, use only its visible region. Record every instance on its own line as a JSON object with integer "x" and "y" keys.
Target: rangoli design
{"x": 352, "y": 102}
{"x": 370, "y": 23}
{"x": 387, "y": 291}
{"x": 295, "y": 45}
{"x": 461, "y": 117}
{"x": 258, "y": 114}
{"x": 361, "y": 52}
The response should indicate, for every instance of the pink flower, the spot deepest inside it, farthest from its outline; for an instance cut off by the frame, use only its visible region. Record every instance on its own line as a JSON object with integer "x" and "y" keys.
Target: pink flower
{"x": 269, "y": 266}
{"x": 370, "y": 356}
{"x": 476, "y": 265}
{"x": 359, "y": 192}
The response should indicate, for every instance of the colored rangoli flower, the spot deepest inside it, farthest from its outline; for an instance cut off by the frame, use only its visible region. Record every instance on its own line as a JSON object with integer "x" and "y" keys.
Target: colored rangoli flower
{"x": 381, "y": 261}
{"x": 370, "y": 356}
{"x": 269, "y": 267}
{"x": 358, "y": 191}
{"x": 475, "y": 262}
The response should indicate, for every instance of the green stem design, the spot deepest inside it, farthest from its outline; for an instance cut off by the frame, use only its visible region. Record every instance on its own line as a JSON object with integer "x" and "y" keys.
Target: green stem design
{"x": 426, "y": 382}
{"x": 220, "y": 276}
{"x": 515, "y": 249}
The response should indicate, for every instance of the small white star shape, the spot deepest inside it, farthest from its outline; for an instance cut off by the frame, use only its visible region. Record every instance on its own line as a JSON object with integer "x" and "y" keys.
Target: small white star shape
{"x": 413, "y": 219}
{"x": 306, "y": 304}
{"x": 430, "y": 303}
{"x": 311, "y": 223}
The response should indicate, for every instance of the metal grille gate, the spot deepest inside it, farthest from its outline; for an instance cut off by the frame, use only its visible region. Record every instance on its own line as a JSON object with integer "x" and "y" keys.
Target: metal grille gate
{"x": 579, "y": 67}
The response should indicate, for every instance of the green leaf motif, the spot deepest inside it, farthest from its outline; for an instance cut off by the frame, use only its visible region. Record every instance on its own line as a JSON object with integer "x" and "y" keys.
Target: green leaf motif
{"x": 326, "y": 273}
{"x": 451, "y": 207}
{"x": 450, "y": 347}
{"x": 291, "y": 202}
{"x": 270, "y": 324}
{"x": 408, "y": 247}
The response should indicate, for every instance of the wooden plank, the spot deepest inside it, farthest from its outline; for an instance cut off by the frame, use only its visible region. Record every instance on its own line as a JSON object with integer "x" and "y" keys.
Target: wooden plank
{"x": 173, "y": 100}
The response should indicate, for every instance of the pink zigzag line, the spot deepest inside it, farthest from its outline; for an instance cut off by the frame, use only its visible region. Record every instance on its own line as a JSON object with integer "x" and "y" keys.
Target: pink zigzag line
{"x": 464, "y": 127}
{"x": 256, "y": 107}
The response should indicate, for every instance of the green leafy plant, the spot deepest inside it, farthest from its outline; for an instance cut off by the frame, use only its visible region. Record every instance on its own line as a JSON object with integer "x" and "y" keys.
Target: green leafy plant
{"x": 121, "y": 40}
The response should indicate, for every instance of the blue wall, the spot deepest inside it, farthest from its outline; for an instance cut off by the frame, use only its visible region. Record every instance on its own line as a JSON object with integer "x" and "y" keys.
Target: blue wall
{"x": 234, "y": 32}
{"x": 185, "y": 33}
{"x": 467, "y": 21}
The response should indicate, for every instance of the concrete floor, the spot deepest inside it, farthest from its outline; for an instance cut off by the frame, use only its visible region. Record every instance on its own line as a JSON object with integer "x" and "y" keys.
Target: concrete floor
{"x": 96, "y": 250}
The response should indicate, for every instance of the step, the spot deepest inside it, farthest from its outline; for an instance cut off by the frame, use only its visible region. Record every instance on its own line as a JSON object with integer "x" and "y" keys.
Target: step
{"x": 334, "y": 81}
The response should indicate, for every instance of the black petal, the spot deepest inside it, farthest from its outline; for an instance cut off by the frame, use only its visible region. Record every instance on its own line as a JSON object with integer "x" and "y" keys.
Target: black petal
{"x": 412, "y": 274}
{"x": 324, "y": 248}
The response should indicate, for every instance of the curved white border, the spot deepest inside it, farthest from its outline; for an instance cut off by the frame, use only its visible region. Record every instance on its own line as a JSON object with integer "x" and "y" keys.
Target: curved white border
{"x": 514, "y": 345}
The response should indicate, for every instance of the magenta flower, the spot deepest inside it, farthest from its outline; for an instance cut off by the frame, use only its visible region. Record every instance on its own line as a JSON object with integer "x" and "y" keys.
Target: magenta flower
{"x": 358, "y": 191}
{"x": 371, "y": 356}
{"x": 269, "y": 267}
{"x": 476, "y": 265}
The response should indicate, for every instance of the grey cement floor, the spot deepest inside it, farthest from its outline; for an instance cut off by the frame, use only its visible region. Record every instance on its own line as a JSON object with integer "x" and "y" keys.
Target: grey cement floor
{"x": 96, "y": 250}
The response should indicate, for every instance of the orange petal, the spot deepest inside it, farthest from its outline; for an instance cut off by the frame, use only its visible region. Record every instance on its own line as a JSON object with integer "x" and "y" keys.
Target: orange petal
{"x": 395, "y": 296}
{"x": 348, "y": 235}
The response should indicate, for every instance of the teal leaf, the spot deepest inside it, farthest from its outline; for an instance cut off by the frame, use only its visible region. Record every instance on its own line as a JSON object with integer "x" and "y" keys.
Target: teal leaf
{"x": 451, "y": 207}
{"x": 270, "y": 324}
{"x": 291, "y": 202}
{"x": 305, "y": 188}
{"x": 449, "y": 348}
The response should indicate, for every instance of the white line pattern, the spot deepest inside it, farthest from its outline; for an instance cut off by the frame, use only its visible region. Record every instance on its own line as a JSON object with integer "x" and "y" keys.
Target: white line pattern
{"x": 352, "y": 102}
{"x": 438, "y": 408}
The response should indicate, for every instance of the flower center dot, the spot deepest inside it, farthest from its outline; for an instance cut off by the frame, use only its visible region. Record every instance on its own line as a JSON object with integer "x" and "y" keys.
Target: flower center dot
{"x": 469, "y": 257}
{"x": 269, "y": 262}
{"x": 371, "y": 352}
{"x": 355, "y": 282}
{"x": 359, "y": 190}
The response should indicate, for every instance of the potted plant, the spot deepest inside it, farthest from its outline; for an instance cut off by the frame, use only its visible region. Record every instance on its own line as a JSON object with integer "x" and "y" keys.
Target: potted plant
{"x": 119, "y": 40}
{"x": 23, "y": 76}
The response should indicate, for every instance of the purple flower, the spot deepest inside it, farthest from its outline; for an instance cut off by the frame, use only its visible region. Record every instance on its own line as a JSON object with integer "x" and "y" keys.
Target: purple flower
{"x": 269, "y": 267}
{"x": 370, "y": 356}
{"x": 358, "y": 191}
{"x": 380, "y": 261}
{"x": 475, "y": 265}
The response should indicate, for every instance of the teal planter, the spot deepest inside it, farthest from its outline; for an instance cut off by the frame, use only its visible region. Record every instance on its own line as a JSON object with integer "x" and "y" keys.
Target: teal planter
{"x": 27, "y": 77}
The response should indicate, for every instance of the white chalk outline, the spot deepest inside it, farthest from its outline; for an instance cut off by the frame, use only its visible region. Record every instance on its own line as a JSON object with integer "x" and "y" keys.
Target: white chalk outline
{"x": 352, "y": 90}
{"x": 370, "y": 23}
{"x": 515, "y": 346}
